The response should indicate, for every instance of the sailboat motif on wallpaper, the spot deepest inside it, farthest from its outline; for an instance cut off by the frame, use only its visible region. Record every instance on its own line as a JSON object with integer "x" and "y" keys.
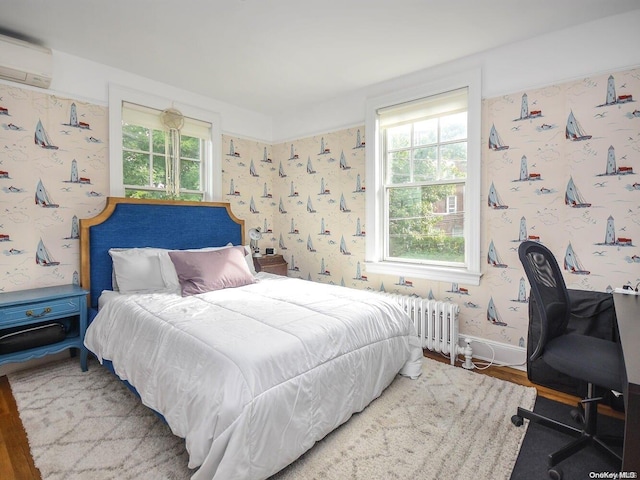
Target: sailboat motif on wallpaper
{"x": 493, "y": 258}
{"x": 252, "y": 206}
{"x": 252, "y": 170}
{"x": 281, "y": 208}
{"x": 310, "y": 244}
{"x": 343, "y": 162}
{"x": 572, "y": 196}
{"x": 343, "y": 247}
{"x": 574, "y": 131}
{"x": 492, "y": 314}
{"x": 573, "y": 264}
{"x": 310, "y": 208}
{"x": 310, "y": 168}
{"x": 281, "y": 173}
{"x": 343, "y": 204}
{"x": 42, "y": 139}
{"x": 42, "y": 197}
{"x": 43, "y": 257}
{"x": 495, "y": 142}
{"x": 281, "y": 244}
{"x": 494, "y": 200}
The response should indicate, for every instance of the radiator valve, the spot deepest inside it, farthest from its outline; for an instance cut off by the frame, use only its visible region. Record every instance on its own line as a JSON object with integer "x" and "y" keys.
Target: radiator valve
{"x": 468, "y": 355}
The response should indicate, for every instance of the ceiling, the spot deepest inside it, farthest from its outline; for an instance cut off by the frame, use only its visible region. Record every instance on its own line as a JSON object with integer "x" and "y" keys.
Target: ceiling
{"x": 271, "y": 56}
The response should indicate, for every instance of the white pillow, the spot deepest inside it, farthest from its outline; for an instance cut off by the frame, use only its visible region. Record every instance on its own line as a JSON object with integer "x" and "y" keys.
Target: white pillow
{"x": 249, "y": 258}
{"x": 137, "y": 270}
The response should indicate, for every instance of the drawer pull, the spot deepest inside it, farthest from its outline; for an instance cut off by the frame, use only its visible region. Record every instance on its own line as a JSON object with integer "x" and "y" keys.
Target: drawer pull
{"x": 30, "y": 313}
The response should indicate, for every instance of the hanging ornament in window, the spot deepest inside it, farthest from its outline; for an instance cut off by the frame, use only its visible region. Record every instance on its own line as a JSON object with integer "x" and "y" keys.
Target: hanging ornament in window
{"x": 173, "y": 120}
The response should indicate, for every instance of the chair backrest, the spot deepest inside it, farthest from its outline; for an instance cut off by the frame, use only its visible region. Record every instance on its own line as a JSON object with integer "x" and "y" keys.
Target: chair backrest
{"x": 549, "y": 291}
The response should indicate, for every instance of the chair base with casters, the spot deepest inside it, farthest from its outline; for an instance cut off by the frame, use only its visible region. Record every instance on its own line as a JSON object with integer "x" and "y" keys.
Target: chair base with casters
{"x": 560, "y": 353}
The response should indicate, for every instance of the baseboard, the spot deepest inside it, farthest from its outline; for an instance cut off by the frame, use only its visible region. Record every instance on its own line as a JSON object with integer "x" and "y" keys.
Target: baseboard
{"x": 497, "y": 353}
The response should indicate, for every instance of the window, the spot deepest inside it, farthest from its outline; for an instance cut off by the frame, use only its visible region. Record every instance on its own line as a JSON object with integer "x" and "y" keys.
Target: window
{"x": 425, "y": 164}
{"x": 452, "y": 204}
{"x": 150, "y": 160}
{"x": 151, "y": 168}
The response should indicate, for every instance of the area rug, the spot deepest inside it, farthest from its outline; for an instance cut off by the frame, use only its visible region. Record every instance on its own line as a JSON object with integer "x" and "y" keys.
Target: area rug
{"x": 450, "y": 423}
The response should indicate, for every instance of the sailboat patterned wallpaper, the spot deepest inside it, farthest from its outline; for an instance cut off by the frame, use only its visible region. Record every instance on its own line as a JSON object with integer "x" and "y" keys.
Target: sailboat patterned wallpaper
{"x": 53, "y": 171}
{"x": 560, "y": 166}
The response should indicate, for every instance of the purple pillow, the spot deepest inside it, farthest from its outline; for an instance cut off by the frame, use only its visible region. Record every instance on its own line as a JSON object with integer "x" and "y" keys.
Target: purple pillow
{"x": 200, "y": 272}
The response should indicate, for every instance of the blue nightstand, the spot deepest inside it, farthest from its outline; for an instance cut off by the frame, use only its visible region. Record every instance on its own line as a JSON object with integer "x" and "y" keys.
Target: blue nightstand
{"x": 66, "y": 304}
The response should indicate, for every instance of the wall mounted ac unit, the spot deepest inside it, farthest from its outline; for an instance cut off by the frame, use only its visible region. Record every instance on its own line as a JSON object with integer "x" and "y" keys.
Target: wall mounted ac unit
{"x": 25, "y": 62}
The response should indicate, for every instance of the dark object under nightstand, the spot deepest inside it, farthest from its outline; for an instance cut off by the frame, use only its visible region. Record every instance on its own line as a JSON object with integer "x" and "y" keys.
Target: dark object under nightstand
{"x": 271, "y": 264}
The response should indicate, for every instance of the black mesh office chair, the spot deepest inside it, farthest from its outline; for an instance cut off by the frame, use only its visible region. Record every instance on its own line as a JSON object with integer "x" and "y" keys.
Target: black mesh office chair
{"x": 593, "y": 360}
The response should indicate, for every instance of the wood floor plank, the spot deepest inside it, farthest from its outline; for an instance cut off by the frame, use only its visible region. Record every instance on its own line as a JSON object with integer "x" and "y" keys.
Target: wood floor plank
{"x": 16, "y": 462}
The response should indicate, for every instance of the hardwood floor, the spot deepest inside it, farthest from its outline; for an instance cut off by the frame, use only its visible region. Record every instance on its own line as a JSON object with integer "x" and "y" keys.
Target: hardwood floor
{"x": 15, "y": 457}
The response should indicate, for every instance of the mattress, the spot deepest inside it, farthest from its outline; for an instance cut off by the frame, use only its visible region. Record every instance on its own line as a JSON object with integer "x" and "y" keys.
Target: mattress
{"x": 252, "y": 377}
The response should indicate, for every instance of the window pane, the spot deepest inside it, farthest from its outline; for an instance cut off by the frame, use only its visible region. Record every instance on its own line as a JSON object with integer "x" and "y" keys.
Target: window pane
{"x": 399, "y": 137}
{"x": 425, "y": 164}
{"x": 453, "y": 127}
{"x": 139, "y": 193}
{"x": 159, "y": 171}
{"x": 158, "y": 141}
{"x": 189, "y": 174}
{"x": 190, "y": 147}
{"x": 426, "y": 132}
{"x": 453, "y": 161}
{"x": 135, "y": 168}
{"x": 399, "y": 167}
{"x": 135, "y": 137}
{"x": 420, "y": 227}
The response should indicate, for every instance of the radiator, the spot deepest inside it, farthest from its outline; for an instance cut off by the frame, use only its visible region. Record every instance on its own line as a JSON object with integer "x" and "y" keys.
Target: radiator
{"x": 435, "y": 321}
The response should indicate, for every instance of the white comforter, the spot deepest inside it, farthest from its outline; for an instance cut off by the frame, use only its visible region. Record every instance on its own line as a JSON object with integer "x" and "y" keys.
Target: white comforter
{"x": 252, "y": 377}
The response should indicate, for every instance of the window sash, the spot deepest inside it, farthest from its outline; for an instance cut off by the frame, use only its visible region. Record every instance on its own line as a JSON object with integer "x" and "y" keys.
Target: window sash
{"x": 398, "y": 94}
{"x": 411, "y": 114}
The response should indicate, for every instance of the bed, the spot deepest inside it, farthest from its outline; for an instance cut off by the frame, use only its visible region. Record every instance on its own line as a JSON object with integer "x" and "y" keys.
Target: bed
{"x": 250, "y": 372}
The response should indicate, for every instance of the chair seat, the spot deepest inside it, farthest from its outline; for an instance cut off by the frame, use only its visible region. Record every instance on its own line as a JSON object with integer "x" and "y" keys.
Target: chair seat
{"x": 589, "y": 359}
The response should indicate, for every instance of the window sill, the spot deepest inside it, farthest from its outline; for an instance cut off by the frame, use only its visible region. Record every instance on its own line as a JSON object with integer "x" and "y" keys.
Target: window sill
{"x": 440, "y": 274}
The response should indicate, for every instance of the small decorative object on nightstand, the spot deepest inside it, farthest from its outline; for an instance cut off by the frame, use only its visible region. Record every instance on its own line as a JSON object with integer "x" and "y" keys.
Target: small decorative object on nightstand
{"x": 271, "y": 264}
{"x": 42, "y": 321}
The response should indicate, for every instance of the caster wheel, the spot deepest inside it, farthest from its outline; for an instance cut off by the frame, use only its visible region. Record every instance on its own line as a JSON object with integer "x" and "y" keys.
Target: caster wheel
{"x": 555, "y": 474}
{"x": 517, "y": 420}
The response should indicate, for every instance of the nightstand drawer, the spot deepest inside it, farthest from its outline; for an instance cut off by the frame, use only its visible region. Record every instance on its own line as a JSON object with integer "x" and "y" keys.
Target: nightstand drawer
{"x": 40, "y": 311}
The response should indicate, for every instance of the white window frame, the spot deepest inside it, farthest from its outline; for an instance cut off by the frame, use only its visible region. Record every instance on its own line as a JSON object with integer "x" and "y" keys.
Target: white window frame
{"x": 375, "y": 216}
{"x": 212, "y": 171}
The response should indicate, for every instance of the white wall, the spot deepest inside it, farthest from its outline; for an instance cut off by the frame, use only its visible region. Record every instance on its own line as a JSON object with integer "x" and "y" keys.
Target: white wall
{"x": 81, "y": 79}
{"x": 608, "y": 44}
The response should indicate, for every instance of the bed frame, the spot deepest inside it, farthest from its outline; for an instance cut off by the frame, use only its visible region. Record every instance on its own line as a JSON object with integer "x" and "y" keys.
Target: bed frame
{"x": 129, "y": 222}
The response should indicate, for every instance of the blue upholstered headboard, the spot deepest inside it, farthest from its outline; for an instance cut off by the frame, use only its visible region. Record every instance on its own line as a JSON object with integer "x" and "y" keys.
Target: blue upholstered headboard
{"x": 126, "y": 223}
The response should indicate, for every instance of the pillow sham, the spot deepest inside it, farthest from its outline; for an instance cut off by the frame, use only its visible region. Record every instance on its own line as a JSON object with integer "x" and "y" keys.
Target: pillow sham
{"x": 170, "y": 276}
{"x": 136, "y": 270}
{"x": 205, "y": 271}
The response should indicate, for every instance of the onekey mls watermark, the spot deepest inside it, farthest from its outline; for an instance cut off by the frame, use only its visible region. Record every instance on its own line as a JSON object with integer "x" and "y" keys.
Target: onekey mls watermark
{"x": 613, "y": 475}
